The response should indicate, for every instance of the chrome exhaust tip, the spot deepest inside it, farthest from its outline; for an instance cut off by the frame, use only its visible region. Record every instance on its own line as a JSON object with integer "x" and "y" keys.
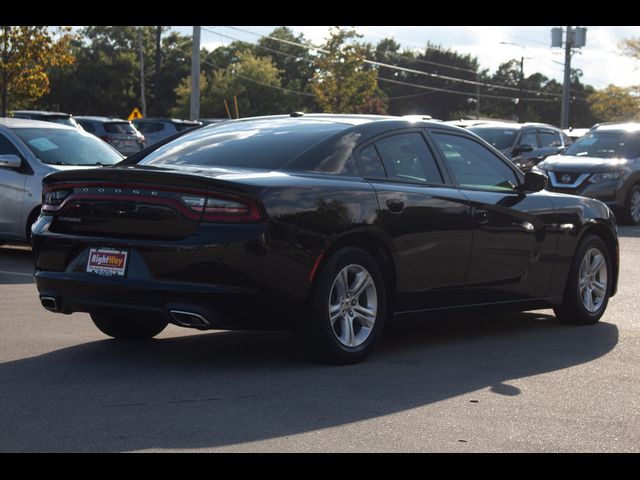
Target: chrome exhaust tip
{"x": 189, "y": 319}
{"x": 49, "y": 303}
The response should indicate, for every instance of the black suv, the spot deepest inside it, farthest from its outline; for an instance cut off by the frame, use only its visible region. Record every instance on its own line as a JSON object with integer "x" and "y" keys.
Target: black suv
{"x": 525, "y": 144}
{"x": 603, "y": 164}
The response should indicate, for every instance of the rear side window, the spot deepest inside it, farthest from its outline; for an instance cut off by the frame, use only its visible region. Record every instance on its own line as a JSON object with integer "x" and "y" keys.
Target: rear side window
{"x": 149, "y": 127}
{"x": 407, "y": 157}
{"x": 549, "y": 138}
{"x": 119, "y": 127}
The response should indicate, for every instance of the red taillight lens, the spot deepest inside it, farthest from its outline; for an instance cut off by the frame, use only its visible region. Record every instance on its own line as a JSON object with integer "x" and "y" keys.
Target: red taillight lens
{"x": 225, "y": 208}
{"x": 51, "y": 199}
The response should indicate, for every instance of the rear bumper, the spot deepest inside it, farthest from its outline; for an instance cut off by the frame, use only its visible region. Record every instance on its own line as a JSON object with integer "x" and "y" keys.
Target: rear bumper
{"x": 223, "y": 273}
{"x": 224, "y": 307}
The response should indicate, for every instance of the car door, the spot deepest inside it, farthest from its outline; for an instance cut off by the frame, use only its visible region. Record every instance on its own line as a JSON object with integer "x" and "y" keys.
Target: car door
{"x": 428, "y": 220}
{"x": 12, "y": 192}
{"x": 512, "y": 251}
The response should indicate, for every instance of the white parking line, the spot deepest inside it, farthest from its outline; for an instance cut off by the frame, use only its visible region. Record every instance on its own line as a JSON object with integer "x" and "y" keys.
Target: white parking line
{"x": 17, "y": 273}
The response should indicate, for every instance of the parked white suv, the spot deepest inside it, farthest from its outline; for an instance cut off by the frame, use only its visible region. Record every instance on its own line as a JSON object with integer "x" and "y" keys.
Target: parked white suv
{"x": 31, "y": 149}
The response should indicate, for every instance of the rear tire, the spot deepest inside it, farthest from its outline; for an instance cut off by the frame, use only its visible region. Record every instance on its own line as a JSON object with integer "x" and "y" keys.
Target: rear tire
{"x": 588, "y": 286}
{"x": 129, "y": 328}
{"x": 347, "y": 308}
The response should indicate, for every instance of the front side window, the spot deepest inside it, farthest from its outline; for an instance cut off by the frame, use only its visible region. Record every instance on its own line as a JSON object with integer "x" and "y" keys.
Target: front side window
{"x": 530, "y": 138}
{"x": 473, "y": 165}
{"x": 407, "y": 157}
{"x": 6, "y": 147}
{"x": 549, "y": 138}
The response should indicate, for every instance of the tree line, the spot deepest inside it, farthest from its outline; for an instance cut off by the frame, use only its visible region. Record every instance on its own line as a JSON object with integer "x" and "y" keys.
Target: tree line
{"x": 97, "y": 71}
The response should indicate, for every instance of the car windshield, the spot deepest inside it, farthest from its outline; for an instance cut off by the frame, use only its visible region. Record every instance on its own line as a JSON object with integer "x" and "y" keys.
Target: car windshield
{"x": 57, "y": 146}
{"x": 500, "y": 138}
{"x": 604, "y": 144}
{"x": 264, "y": 144}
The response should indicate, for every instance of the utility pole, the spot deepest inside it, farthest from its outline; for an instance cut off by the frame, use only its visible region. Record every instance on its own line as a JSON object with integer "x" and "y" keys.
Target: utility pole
{"x": 156, "y": 82}
{"x": 520, "y": 88}
{"x": 143, "y": 100}
{"x": 195, "y": 75}
{"x": 566, "y": 86}
{"x": 574, "y": 38}
{"x": 477, "y": 96}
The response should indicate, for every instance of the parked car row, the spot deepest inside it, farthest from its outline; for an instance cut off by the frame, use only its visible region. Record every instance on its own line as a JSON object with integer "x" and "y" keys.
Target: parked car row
{"x": 125, "y": 136}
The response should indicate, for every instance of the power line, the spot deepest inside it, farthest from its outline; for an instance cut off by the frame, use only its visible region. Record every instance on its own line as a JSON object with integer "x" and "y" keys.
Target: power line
{"x": 407, "y": 70}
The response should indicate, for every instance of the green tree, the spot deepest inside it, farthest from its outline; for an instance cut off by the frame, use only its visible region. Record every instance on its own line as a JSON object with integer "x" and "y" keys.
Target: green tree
{"x": 25, "y": 54}
{"x": 249, "y": 78}
{"x": 615, "y": 104}
{"x": 295, "y": 64}
{"x": 341, "y": 83}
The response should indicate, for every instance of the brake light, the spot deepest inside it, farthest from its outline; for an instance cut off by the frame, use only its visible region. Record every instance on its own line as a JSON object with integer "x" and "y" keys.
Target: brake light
{"x": 53, "y": 198}
{"x": 223, "y": 207}
{"x": 107, "y": 138}
{"x": 141, "y": 140}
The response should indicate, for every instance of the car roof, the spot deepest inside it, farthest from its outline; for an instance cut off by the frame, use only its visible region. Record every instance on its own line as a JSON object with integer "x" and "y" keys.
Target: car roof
{"x": 12, "y": 123}
{"x": 101, "y": 119}
{"x": 42, "y": 112}
{"x": 166, "y": 120}
{"x": 627, "y": 127}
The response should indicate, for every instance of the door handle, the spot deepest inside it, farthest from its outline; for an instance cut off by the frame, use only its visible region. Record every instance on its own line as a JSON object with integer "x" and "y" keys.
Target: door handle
{"x": 395, "y": 205}
{"x": 481, "y": 216}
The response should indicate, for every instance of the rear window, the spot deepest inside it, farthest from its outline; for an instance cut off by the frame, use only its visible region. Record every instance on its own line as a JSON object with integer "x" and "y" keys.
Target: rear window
{"x": 184, "y": 126}
{"x": 119, "y": 127}
{"x": 264, "y": 144}
{"x": 149, "y": 127}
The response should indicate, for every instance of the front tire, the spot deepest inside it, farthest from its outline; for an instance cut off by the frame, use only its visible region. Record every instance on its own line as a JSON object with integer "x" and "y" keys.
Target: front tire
{"x": 588, "y": 286}
{"x": 347, "y": 308}
{"x": 128, "y": 328}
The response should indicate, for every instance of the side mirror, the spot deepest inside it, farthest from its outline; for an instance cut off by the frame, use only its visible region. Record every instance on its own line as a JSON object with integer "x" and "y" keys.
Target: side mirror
{"x": 10, "y": 160}
{"x": 534, "y": 181}
{"x": 524, "y": 148}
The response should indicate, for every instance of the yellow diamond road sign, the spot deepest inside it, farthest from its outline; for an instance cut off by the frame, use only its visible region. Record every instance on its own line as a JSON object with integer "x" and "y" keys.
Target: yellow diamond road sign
{"x": 134, "y": 114}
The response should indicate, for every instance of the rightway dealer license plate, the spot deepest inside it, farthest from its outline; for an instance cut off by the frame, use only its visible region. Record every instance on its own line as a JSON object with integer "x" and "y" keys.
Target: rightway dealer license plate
{"x": 110, "y": 263}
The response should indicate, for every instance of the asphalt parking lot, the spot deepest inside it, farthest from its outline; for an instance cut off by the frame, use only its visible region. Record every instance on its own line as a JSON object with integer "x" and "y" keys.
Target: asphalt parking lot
{"x": 510, "y": 383}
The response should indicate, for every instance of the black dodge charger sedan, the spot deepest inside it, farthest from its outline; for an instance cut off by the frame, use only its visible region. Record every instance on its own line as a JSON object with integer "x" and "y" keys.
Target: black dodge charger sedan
{"x": 323, "y": 224}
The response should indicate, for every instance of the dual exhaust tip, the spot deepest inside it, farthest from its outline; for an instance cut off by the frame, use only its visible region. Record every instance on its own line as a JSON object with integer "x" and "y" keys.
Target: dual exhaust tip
{"x": 181, "y": 317}
{"x": 189, "y": 319}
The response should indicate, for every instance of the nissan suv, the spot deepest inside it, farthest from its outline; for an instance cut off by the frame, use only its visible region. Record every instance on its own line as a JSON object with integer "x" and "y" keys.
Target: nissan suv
{"x": 602, "y": 164}
{"x": 525, "y": 144}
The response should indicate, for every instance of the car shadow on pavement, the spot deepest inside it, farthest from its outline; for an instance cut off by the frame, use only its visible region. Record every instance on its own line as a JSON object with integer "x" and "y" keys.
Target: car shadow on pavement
{"x": 224, "y": 388}
{"x": 629, "y": 231}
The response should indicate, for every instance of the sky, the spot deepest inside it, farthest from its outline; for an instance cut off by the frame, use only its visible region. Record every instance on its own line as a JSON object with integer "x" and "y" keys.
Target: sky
{"x": 600, "y": 60}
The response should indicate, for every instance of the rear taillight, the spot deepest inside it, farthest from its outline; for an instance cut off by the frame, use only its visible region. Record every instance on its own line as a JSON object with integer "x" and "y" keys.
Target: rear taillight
{"x": 141, "y": 140}
{"x": 223, "y": 208}
{"x": 107, "y": 138}
{"x": 51, "y": 199}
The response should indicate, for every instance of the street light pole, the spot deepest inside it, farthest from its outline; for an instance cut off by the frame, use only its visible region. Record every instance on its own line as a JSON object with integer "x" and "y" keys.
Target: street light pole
{"x": 566, "y": 86}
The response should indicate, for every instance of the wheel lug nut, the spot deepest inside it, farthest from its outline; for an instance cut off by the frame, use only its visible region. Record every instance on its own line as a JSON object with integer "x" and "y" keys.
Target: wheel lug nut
{"x": 351, "y": 313}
